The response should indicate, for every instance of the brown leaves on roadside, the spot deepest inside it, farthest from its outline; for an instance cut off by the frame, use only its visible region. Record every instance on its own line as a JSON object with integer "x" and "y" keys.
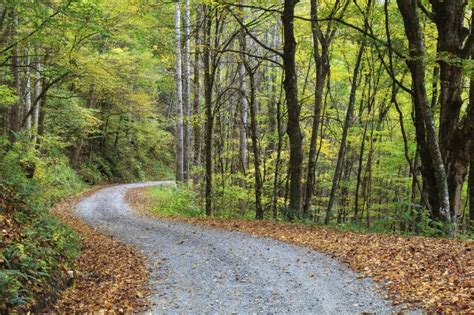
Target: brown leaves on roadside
{"x": 436, "y": 274}
{"x": 109, "y": 276}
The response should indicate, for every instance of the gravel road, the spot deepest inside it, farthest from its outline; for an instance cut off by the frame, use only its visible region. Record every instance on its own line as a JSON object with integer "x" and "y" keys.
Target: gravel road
{"x": 203, "y": 270}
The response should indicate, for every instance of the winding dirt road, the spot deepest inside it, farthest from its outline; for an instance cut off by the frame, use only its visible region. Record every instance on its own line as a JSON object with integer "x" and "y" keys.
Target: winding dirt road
{"x": 196, "y": 269}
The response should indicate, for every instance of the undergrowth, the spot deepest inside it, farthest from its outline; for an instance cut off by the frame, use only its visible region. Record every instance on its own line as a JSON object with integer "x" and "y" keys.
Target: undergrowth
{"x": 36, "y": 250}
{"x": 172, "y": 201}
{"x": 183, "y": 201}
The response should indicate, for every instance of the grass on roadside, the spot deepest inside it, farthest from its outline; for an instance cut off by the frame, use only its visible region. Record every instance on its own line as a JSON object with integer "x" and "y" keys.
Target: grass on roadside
{"x": 170, "y": 201}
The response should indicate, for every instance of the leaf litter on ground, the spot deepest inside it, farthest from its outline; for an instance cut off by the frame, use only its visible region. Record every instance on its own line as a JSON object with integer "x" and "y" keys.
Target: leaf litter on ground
{"x": 109, "y": 276}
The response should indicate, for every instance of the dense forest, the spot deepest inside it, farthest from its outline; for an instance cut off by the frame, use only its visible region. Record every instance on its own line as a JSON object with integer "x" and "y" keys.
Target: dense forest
{"x": 352, "y": 113}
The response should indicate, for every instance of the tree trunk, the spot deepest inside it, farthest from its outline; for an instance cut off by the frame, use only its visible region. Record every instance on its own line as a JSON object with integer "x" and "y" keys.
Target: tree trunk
{"x": 454, "y": 141}
{"x": 36, "y": 97}
{"x": 470, "y": 221}
{"x": 15, "y": 119}
{"x": 254, "y": 137}
{"x": 321, "y": 60}
{"x": 197, "y": 88}
{"x": 179, "y": 97}
{"x": 430, "y": 152}
{"x": 186, "y": 89}
{"x": 276, "y": 179}
{"x": 208, "y": 83}
{"x": 359, "y": 172}
{"x": 243, "y": 116}
{"x": 291, "y": 90}
{"x": 27, "y": 93}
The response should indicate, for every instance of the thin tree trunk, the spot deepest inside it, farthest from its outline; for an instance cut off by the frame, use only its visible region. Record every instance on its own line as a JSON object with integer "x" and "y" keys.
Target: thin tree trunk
{"x": 27, "y": 93}
{"x": 197, "y": 88}
{"x": 321, "y": 60}
{"x": 186, "y": 89}
{"x": 36, "y": 97}
{"x": 276, "y": 179}
{"x": 243, "y": 107}
{"x": 15, "y": 119}
{"x": 359, "y": 172}
{"x": 208, "y": 83}
{"x": 345, "y": 131}
{"x": 243, "y": 117}
{"x": 179, "y": 97}
{"x": 254, "y": 137}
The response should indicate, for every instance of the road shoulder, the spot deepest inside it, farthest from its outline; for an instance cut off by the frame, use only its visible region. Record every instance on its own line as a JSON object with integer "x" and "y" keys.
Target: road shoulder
{"x": 109, "y": 276}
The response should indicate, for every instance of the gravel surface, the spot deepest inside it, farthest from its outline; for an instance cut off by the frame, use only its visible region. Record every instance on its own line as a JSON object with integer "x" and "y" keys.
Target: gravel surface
{"x": 205, "y": 270}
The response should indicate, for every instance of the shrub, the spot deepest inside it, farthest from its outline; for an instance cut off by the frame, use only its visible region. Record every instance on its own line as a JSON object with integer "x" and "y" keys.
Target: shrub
{"x": 36, "y": 250}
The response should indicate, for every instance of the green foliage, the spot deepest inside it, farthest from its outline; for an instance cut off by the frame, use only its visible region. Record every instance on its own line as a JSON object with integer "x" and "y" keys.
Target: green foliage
{"x": 35, "y": 249}
{"x": 7, "y": 95}
{"x": 173, "y": 201}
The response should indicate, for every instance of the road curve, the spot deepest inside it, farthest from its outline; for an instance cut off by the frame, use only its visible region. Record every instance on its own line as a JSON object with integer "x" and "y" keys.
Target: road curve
{"x": 196, "y": 269}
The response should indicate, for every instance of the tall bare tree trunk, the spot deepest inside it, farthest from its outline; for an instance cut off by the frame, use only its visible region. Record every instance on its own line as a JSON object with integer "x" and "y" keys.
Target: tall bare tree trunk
{"x": 179, "y": 97}
{"x": 243, "y": 108}
{"x": 291, "y": 90}
{"x": 197, "y": 87}
{"x": 187, "y": 90}
{"x": 253, "y": 130}
{"x": 321, "y": 60}
{"x": 454, "y": 135}
{"x": 208, "y": 84}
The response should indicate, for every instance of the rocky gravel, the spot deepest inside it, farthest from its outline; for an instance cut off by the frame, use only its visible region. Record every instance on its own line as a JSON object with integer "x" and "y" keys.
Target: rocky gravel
{"x": 197, "y": 269}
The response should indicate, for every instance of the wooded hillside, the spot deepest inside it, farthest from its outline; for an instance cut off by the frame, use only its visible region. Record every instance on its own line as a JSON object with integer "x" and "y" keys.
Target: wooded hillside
{"x": 85, "y": 98}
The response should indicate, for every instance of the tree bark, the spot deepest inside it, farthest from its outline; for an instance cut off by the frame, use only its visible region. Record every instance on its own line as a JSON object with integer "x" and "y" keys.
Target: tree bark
{"x": 27, "y": 92}
{"x": 243, "y": 112}
{"x": 197, "y": 87}
{"x": 430, "y": 151}
{"x": 321, "y": 60}
{"x": 208, "y": 84}
{"x": 470, "y": 221}
{"x": 186, "y": 89}
{"x": 254, "y": 137}
{"x": 291, "y": 90}
{"x": 179, "y": 97}
{"x": 454, "y": 140}
{"x": 36, "y": 97}
{"x": 15, "y": 119}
